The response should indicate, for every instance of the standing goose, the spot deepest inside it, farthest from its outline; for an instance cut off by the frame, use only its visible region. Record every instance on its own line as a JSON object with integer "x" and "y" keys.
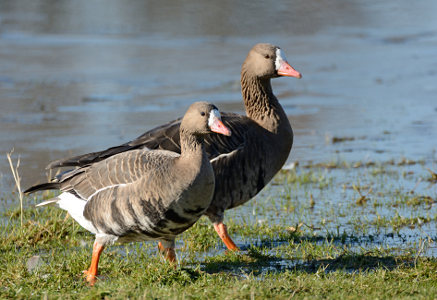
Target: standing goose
{"x": 142, "y": 194}
{"x": 243, "y": 163}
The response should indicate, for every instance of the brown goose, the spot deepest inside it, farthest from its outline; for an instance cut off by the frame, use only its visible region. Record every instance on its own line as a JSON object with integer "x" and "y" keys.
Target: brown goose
{"x": 243, "y": 163}
{"x": 143, "y": 194}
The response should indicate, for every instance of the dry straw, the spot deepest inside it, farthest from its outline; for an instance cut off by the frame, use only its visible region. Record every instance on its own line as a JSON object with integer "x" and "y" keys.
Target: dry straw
{"x": 17, "y": 179}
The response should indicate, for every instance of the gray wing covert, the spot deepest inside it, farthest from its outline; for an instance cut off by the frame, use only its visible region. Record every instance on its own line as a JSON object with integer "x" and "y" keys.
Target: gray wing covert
{"x": 119, "y": 170}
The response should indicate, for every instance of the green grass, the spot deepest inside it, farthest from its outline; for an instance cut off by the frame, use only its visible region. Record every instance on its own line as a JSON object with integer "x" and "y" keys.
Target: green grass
{"x": 301, "y": 266}
{"x": 306, "y": 236}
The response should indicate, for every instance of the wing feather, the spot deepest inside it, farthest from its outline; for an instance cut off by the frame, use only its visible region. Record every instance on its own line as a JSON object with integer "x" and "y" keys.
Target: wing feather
{"x": 166, "y": 137}
{"x": 118, "y": 170}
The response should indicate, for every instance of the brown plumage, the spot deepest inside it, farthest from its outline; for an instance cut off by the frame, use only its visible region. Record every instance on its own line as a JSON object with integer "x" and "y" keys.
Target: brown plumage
{"x": 143, "y": 194}
{"x": 243, "y": 163}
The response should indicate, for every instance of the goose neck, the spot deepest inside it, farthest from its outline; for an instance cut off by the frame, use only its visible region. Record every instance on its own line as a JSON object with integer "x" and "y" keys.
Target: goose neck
{"x": 261, "y": 104}
{"x": 191, "y": 146}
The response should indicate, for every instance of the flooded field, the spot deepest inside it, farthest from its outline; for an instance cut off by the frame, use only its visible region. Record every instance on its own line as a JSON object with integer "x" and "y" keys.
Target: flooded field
{"x": 82, "y": 76}
{"x": 331, "y": 230}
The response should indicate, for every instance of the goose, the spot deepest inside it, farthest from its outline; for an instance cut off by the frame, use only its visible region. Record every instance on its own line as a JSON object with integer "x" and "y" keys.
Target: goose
{"x": 243, "y": 163}
{"x": 143, "y": 194}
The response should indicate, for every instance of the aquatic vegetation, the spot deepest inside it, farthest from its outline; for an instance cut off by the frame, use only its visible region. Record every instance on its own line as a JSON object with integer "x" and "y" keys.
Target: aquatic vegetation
{"x": 432, "y": 177}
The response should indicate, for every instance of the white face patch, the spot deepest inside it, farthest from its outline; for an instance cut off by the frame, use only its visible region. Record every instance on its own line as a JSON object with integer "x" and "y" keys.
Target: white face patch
{"x": 279, "y": 58}
{"x": 213, "y": 115}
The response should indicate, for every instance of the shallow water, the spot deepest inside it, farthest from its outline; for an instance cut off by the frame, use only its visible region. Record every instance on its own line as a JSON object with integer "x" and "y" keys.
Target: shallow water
{"x": 77, "y": 77}
{"x": 82, "y": 76}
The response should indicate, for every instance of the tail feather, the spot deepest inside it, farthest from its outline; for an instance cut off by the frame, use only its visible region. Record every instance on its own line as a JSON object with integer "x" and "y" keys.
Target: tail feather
{"x": 43, "y": 186}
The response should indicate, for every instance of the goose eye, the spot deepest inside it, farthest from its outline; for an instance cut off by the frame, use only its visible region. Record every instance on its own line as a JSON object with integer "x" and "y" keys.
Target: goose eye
{"x": 202, "y": 113}
{"x": 267, "y": 56}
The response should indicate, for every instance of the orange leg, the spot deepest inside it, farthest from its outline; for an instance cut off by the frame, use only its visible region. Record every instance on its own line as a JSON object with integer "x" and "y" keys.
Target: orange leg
{"x": 223, "y": 234}
{"x": 91, "y": 273}
{"x": 168, "y": 253}
{"x": 160, "y": 247}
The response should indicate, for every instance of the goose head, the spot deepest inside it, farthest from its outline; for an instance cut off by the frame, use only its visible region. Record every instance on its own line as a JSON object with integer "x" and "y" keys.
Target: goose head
{"x": 203, "y": 118}
{"x": 268, "y": 61}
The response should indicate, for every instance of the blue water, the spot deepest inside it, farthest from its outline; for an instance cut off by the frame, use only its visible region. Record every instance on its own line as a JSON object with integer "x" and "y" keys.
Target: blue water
{"x": 85, "y": 75}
